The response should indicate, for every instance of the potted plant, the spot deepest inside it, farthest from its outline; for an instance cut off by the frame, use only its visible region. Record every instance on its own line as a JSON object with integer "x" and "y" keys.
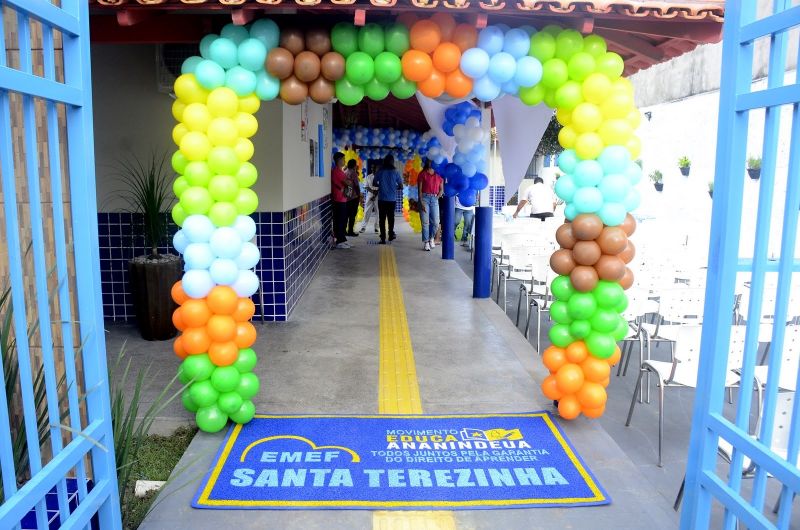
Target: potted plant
{"x": 685, "y": 165}
{"x": 711, "y": 188}
{"x": 147, "y": 190}
{"x": 754, "y": 167}
{"x": 658, "y": 180}
{"x": 639, "y": 163}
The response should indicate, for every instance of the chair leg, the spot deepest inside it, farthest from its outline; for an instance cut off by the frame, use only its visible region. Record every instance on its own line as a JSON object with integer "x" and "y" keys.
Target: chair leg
{"x": 647, "y": 390}
{"x": 679, "y": 498}
{"x": 633, "y": 400}
{"x": 626, "y": 354}
{"x": 660, "y": 421}
{"x": 539, "y": 331}
{"x": 519, "y": 303}
{"x": 730, "y": 395}
{"x": 528, "y": 318}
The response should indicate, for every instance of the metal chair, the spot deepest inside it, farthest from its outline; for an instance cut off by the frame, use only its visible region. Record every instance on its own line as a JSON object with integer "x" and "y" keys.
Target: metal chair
{"x": 517, "y": 267}
{"x": 536, "y": 293}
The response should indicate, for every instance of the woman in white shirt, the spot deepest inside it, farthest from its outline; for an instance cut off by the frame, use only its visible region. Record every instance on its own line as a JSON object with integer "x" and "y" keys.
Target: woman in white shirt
{"x": 540, "y": 198}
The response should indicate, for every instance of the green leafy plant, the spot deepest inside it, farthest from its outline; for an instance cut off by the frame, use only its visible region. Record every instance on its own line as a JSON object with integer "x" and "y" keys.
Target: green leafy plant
{"x": 754, "y": 162}
{"x": 684, "y": 162}
{"x": 656, "y": 176}
{"x": 711, "y": 186}
{"x": 639, "y": 163}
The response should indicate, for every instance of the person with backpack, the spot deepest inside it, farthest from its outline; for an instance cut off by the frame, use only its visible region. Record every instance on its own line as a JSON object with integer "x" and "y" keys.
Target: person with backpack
{"x": 388, "y": 181}
{"x": 339, "y": 199}
{"x": 352, "y": 192}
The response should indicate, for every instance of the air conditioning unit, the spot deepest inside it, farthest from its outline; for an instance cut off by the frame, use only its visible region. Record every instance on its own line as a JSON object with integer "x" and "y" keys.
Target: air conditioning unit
{"x": 169, "y": 58}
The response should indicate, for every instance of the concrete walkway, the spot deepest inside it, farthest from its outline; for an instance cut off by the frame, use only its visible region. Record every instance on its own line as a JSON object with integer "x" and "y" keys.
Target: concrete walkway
{"x": 469, "y": 358}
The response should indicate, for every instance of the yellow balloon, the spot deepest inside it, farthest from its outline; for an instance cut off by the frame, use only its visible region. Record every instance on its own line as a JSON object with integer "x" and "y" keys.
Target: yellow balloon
{"x": 586, "y": 118}
{"x": 244, "y": 149}
{"x": 196, "y": 117}
{"x": 246, "y": 124}
{"x": 223, "y": 131}
{"x": 564, "y": 116}
{"x": 623, "y": 85}
{"x": 618, "y": 105}
{"x": 178, "y": 132}
{"x": 223, "y": 102}
{"x": 249, "y": 104}
{"x": 178, "y": 107}
{"x": 567, "y": 136}
{"x": 634, "y": 118}
{"x": 634, "y": 146}
{"x": 615, "y": 132}
{"x": 588, "y": 146}
{"x": 596, "y": 88}
{"x": 195, "y": 146}
{"x": 188, "y": 90}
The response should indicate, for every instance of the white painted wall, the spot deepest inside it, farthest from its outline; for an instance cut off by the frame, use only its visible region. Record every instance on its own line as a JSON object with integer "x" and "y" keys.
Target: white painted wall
{"x": 299, "y": 186}
{"x": 268, "y": 156}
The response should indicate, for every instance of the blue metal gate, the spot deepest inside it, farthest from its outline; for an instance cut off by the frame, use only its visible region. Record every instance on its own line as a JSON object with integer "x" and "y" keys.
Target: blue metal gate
{"x": 763, "y": 459}
{"x": 56, "y": 445}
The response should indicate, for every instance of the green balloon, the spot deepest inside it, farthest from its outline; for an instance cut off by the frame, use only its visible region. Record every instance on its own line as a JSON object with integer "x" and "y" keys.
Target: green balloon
{"x": 198, "y": 173}
{"x": 604, "y": 320}
{"x": 197, "y": 367}
{"x": 196, "y": 200}
{"x": 371, "y": 39}
{"x": 560, "y": 335}
{"x": 247, "y": 175}
{"x": 552, "y": 29}
{"x": 581, "y": 65}
{"x": 344, "y": 38}
{"x": 595, "y": 45}
{"x": 179, "y": 186}
{"x": 623, "y": 305}
{"x": 246, "y": 201}
{"x": 178, "y": 214}
{"x": 188, "y": 402}
{"x": 611, "y": 65}
{"x": 375, "y": 90}
{"x": 211, "y": 419}
{"x": 550, "y": 98}
{"x": 203, "y": 393}
{"x": 245, "y": 413}
{"x": 396, "y": 37}
{"x": 532, "y": 95}
{"x": 562, "y": 288}
{"x": 580, "y": 328}
{"x": 246, "y": 360}
{"x": 179, "y": 162}
{"x": 581, "y": 306}
{"x": 568, "y": 43}
{"x": 569, "y": 95}
{"x": 403, "y": 88}
{"x": 608, "y": 294}
{"x": 225, "y": 378}
{"x": 223, "y": 187}
{"x": 248, "y": 385}
{"x": 223, "y": 161}
{"x": 622, "y": 330}
{"x": 359, "y": 68}
{"x": 223, "y": 214}
{"x": 229, "y": 402}
{"x": 388, "y": 67}
{"x": 347, "y": 93}
{"x": 559, "y": 312}
{"x": 543, "y": 46}
{"x": 554, "y": 73}
{"x": 601, "y": 345}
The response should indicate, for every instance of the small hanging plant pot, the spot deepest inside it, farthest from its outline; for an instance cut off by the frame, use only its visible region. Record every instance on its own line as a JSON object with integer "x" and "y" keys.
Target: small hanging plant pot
{"x": 685, "y": 171}
{"x": 754, "y": 173}
{"x": 711, "y": 194}
{"x": 659, "y": 186}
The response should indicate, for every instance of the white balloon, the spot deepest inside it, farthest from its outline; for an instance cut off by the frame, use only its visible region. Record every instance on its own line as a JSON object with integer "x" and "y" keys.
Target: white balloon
{"x": 473, "y": 122}
{"x": 198, "y": 228}
{"x": 224, "y": 271}
{"x": 246, "y": 284}
{"x": 180, "y": 241}
{"x": 475, "y": 134}
{"x": 197, "y": 283}
{"x": 249, "y": 256}
{"x": 458, "y": 130}
{"x": 198, "y": 256}
{"x": 226, "y": 242}
{"x": 246, "y": 227}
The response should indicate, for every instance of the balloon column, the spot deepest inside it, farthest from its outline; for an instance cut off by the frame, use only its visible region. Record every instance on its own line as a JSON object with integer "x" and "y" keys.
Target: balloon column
{"x": 464, "y": 176}
{"x": 411, "y": 193}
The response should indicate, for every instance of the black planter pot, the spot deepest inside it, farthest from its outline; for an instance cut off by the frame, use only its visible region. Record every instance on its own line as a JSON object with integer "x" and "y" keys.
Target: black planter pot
{"x": 659, "y": 186}
{"x": 711, "y": 194}
{"x": 151, "y": 281}
{"x": 754, "y": 173}
{"x": 685, "y": 171}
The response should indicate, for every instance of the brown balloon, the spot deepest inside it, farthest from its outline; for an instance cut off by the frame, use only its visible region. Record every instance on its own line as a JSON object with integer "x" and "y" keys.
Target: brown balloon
{"x": 586, "y": 252}
{"x": 587, "y": 226}
{"x": 292, "y": 39}
{"x": 564, "y": 236}
{"x": 610, "y": 268}
{"x": 332, "y": 65}
{"x": 306, "y": 66}
{"x": 629, "y": 253}
{"x": 627, "y": 280}
{"x": 280, "y": 63}
{"x": 612, "y": 240}
{"x": 629, "y": 225}
{"x": 321, "y": 90}
{"x": 318, "y": 41}
{"x": 293, "y": 91}
{"x": 584, "y": 278}
{"x": 562, "y": 261}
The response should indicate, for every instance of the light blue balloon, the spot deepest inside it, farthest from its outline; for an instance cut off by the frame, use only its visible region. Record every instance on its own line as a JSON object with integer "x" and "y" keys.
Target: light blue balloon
{"x": 180, "y": 241}
{"x": 190, "y": 64}
{"x": 469, "y": 169}
{"x": 225, "y": 243}
{"x": 491, "y": 39}
{"x": 505, "y": 28}
{"x": 205, "y": 45}
{"x": 570, "y": 212}
{"x": 198, "y": 228}
{"x": 459, "y": 158}
{"x": 502, "y": 67}
{"x": 588, "y": 173}
{"x": 614, "y": 159}
{"x": 241, "y": 81}
{"x": 244, "y": 225}
{"x": 252, "y": 54}
{"x": 567, "y": 161}
{"x": 511, "y": 88}
{"x": 517, "y": 42}
{"x": 197, "y": 283}
{"x": 267, "y": 31}
{"x": 529, "y": 71}
{"x": 634, "y": 173}
{"x": 475, "y": 63}
{"x": 209, "y": 74}
{"x": 235, "y": 33}
{"x": 565, "y": 188}
{"x": 485, "y": 89}
{"x": 198, "y": 256}
{"x": 246, "y": 284}
{"x": 530, "y": 30}
{"x": 612, "y": 214}
{"x": 224, "y": 271}
{"x": 614, "y": 188}
{"x": 224, "y": 52}
{"x": 632, "y": 200}
{"x": 587, "y": 200}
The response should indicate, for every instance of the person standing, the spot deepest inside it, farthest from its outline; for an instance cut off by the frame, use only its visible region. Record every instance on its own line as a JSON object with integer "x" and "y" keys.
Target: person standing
{"x": 371, "y": 204}
{"x": 353, "y": 195}
{"x": 430, "y": 186}
{"x": 388, "y": 181}
{"x": 338, "y": 184}
{"x": 467, "y": 213}
{"x": 540, "y": 198}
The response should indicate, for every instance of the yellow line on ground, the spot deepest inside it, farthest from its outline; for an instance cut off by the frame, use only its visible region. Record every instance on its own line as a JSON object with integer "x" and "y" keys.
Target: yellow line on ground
{"x": 398, "y": 389}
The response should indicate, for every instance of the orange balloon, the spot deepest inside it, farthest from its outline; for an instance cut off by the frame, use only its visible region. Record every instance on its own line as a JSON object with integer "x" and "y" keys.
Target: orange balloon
{"x": 433, "y": 86}
{"x": 221, "y": 328}
{"x": 195, "y": 340}
{"x": 245, "y": 334}
{"x": 594, "y": 413}
{"x": 178, "y": 294}
{"x": 554, "y": 358}
{"x": 177, "y": 347}
{"x": 223, "y": 353}
{"x": 222, "y": 300}
{"x": 245, "y": 309}
{"x": 195, "y": 313}
{"x": 417, "y": 65}
{"x": 577, "y": 352}
{"x": 457, "y": 85}
{"x": 177, "y": 320}
{"x": 550, "y": 388}
{"x": 569, "y": 378}
{"x": 446, "y": 57}
{"x": 605, "y": 382}
{"x": 465, "y": 36}
{"x": 408, "y": 19}
{"x": 595, "y": 370}
{"x": 615, "y": 357}
{"x": 446, "y": 23}
{"x": 592, "y": 395}
{"x": 425, "y": 36}
{"x": 569, "y": 407}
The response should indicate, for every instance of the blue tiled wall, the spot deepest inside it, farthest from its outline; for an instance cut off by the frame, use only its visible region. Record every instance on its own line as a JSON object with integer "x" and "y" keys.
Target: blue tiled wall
{"x": 497, "y": 197}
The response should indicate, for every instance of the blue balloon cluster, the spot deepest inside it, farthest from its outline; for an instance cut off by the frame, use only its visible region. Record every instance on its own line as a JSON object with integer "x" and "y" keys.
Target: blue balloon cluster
{"x": 235, "y": 58}
{"x": 606, "y": 186}
{"x": 378, "y": 142}
{"x": 218, "y": 256}
{"x": 466, "y": 175}
{"x": 500, "y": 64}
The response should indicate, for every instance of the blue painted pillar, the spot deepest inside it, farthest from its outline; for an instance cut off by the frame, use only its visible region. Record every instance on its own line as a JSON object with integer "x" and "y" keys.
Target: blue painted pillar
{"x": 482, "y": 255}
{"x": 448, "y": 230}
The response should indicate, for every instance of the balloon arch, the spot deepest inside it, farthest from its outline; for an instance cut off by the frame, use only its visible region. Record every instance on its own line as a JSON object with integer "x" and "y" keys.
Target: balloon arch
{"x": 219, "y": 92}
